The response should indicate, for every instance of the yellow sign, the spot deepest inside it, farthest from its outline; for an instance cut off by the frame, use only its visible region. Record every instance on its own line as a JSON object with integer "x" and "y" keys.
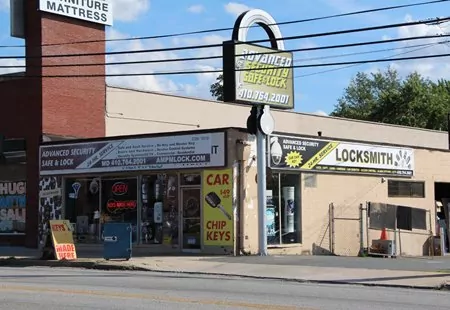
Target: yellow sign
{"x": 256, "y": 74}
{"x": 62, "y": 238}
{"x": 218, "y": 225}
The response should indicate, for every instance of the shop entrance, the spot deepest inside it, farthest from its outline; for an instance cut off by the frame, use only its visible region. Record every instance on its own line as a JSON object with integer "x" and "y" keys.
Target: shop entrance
{"x": 442, "y": 198}
{"x": 191, "y": 219}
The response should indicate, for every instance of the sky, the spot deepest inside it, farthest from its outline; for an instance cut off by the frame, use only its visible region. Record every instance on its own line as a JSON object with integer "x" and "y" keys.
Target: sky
{"x": 316, "y": 89}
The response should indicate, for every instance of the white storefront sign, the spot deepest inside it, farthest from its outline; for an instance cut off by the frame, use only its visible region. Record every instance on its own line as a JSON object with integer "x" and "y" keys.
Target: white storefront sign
{"x": 96, "y": 11}
{"x": 310, "y": 154}
{"x": 204, "y": 150}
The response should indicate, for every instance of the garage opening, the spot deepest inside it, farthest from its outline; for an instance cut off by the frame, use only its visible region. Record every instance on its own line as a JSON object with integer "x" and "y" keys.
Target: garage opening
{"x": 442, "y": 198}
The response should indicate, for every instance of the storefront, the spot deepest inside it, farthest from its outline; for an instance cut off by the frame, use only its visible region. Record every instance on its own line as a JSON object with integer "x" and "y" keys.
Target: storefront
{"x": 174, "y": 189}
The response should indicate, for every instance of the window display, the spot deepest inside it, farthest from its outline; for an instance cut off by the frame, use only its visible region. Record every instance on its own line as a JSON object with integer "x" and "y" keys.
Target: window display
{"x": 82, "y": 208}
{"x": 283, "y": 216}
{"x": 159, "y": 217}
{"x": 119, "y": 203}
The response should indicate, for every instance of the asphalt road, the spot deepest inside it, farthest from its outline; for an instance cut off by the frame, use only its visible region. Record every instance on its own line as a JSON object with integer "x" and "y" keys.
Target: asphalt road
{"x": 437, "y": 263}
{"x": 46, "y": 288}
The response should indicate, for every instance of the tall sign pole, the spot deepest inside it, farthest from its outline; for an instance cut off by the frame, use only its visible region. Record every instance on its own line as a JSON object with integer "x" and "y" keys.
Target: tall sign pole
{"x": 263, "y": 78}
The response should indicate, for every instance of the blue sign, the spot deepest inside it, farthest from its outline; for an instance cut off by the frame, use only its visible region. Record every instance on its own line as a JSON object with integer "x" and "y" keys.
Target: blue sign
{"x": 12, "y": 207}
{"x": 270, "y": 222}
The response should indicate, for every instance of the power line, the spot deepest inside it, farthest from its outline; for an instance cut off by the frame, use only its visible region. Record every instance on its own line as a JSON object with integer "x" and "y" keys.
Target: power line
{"x": 359, "y": 64}
{"x": 227, "y": 29}
{"x": 250, "y": 69}
{"x": 219, "y": 56}
{"x": 193, "y": 47}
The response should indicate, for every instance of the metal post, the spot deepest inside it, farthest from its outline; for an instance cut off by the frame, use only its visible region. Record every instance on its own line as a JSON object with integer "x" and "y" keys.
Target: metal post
{"x": 332, "y": 230}
{"x": 442, "y": 240}
{"x": 261, "y": 179}
{"x": 361, "y": 230}
{"x": 367, "y": 227}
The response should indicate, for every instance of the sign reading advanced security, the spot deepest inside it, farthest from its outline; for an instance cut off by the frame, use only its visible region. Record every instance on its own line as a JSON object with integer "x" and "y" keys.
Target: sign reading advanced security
{"x": 155, "y": 153}
{"x": 259, "y": 75}
{"x": 339, "y": 157}
{"x": 96, "y": 11}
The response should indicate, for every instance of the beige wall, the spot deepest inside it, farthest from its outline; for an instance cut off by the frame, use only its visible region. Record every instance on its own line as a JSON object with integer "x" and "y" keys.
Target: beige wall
{"x": 132, "y": 112}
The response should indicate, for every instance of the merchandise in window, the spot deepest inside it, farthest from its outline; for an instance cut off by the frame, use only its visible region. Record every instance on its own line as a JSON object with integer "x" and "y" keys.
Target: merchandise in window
{"x": 159, "y": 217}
{"x": 120, "y": 203}
{"x": 283, "y": 209}
{"x": 82, "y": 205}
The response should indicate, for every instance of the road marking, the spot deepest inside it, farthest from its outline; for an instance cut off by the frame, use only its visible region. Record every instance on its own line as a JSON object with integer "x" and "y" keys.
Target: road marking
{"x": 151, "y": 297}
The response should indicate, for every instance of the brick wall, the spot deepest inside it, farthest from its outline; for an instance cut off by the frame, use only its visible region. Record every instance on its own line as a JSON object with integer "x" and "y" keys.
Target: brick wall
{"x": 32, "y": 106}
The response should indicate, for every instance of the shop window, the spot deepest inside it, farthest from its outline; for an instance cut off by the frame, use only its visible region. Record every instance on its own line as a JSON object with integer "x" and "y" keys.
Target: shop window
{"x": 190, "y": 179}
{"x": 419, "y": 218}
{"x": 283, "y": 212}
{"x": 120, "y": 202}
{"x": 159, "y": 217}
{"x": 382, "y": 215}
{"x": 404, "y": 218}
{"x": 82, "y": 207}
{"x": 413, "y": 189}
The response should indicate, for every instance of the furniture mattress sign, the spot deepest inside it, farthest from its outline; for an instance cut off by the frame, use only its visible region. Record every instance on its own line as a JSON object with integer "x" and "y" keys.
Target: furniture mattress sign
{"x": 136, "y": 154}
{"x": 296, "y": 153}
{"x": 95, "y": 11}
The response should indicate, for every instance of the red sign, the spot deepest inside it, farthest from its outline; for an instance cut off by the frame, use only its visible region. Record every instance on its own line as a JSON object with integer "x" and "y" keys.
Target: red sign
{"x": 66, "y": 251}
{"x": 114, "y": 206}
{"x": 119, "y": 188}
{"x": 217, "y": 231}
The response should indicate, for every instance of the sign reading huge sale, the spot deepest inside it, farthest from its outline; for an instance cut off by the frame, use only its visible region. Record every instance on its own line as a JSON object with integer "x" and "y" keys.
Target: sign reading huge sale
{"x": 297, "y": 153}
{"x": 205, "y": 150}
{"x": 62, "y": 238}
{"x": 13, "y": 204}
{"x": 218, "y": 225}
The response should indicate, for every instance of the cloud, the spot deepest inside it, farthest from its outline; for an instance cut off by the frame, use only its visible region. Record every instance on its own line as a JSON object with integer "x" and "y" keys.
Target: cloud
{"x": 4, "y": 5}
{"x": 129, "y": 10}
{"x": 9, "y": 63}
{"x": 235, "y": 8}
{"x": 321, "y": 113}
{"x": 196, "y": 9}
{"x": 195, "y": 85}
{"x": 433, "y": 68}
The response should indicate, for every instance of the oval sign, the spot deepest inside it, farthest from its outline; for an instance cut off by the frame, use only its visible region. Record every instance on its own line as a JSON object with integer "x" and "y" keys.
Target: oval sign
{"x": 119, "y": 188}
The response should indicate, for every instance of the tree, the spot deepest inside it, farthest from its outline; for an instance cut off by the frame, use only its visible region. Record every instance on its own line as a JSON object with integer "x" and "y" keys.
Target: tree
{"x": 385, "y": 97}
{"x": 216, "y": 89}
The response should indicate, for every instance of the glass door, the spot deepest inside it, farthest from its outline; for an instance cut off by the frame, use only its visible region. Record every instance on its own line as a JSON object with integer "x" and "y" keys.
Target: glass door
{"x": 191, "y": 218}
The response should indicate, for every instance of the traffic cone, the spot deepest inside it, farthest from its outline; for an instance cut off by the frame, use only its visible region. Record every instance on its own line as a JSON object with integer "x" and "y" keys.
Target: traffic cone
{"x": 383, "y": 234}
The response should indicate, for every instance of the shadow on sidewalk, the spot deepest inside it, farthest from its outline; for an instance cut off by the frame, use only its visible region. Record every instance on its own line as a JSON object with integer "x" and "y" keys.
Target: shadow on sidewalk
{"x": 442, "y": 275}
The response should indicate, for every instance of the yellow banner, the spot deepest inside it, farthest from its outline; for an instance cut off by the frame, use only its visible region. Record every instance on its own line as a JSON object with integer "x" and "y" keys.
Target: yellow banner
{"x": 313, "y": 161}
{"x": 218, "y": 225}
{"x": 62, "y": 237}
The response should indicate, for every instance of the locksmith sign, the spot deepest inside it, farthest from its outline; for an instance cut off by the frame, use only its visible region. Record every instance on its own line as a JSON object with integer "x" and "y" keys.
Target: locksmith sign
{"x": 95, "y": 11}
{"x": 258, "y": 75}
{"x": 297, "y": 153}
{"x": 135, "y": 154}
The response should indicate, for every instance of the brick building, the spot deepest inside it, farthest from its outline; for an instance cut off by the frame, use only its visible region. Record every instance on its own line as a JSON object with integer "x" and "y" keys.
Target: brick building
{"x": 36, "y": 108}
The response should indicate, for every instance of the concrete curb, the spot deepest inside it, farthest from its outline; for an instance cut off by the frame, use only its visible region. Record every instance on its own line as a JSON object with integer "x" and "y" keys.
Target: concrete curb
{"x": 101, "y": 265}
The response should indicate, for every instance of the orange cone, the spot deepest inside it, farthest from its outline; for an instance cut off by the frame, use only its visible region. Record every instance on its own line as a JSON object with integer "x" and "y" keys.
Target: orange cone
{"x": 383, "y": 234}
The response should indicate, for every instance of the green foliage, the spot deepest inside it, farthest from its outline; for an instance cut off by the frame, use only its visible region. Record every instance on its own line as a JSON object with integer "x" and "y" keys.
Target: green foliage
{"x": 216, "y": 89}
{"x": 385, "y": 97}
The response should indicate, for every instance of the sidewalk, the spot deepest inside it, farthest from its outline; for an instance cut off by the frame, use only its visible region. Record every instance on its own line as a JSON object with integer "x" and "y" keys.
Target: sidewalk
{"x": 203, "y": 266}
